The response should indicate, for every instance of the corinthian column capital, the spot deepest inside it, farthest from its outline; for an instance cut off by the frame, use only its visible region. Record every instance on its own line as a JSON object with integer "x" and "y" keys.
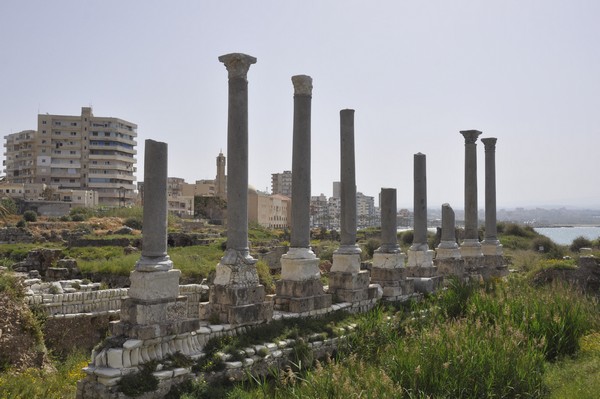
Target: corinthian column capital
{"x": 470, "y": 135}
{"x": 489, "y": 144}
{"x": 237, "y": 64}
{"x": 302, "y": 85}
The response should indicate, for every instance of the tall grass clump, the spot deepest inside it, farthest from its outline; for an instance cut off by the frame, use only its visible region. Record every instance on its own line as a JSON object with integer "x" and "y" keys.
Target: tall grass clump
{"x": 556, "y": 316}
{"x": 45, "y": 383}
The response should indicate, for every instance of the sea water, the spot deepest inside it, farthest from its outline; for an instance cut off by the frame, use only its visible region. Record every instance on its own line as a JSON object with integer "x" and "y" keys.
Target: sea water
{"x": 566, "y": 235}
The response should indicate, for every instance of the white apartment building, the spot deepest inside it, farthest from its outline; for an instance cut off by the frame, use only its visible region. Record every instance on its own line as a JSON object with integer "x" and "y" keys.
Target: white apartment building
{"x": 76, "y": 152}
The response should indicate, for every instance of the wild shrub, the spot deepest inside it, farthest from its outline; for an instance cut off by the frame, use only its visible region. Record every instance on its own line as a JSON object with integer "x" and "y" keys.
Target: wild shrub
{"x": 134, "y": 223}
{"x": 30, "y": 216}
{"x": 141, "y": 382}
{"x": 580, "y": 242}
{"x": 370, "y": 246}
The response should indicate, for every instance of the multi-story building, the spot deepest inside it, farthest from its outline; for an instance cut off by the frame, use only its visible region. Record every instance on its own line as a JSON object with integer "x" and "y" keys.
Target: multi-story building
{"x": 19, "y": 164}
{"x": 76, "y": 152}
{"x": 177, "y": 201}
{"x": 281, "y": 183}
{"x": 270, "y": 211}
{"x": 365, "y": 211}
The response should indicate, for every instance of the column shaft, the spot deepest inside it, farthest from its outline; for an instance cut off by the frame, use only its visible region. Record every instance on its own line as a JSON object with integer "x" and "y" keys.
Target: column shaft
{"x": 348, "y": 179}
{"x": 491, "y": 234}
{"x": 448, "y": 224}
{"x": 471, "y": 184}
{"x": 237, "y": 151}
{"x": 420, "y": 201}
{"x": 389, "y": 225}
{"x": 300, "y": 236}
{"x": 154, "y": 240}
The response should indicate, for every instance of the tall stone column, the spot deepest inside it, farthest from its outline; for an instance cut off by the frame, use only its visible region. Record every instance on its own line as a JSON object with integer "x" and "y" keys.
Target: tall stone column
{"x": 237, "y": 297}
{"x": 350, "y": 261}
{"x": 388, "y": 261}
{"x": 346, "y": 281}
{"x": 300, "y": 289}
{"x": 420, "y": 257}
{"x": 490, "y": 245}
{"x": 471, "y": 247}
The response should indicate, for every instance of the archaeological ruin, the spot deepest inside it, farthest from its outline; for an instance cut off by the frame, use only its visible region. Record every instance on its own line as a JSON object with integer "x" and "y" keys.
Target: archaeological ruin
{"x": 160, "y": 318}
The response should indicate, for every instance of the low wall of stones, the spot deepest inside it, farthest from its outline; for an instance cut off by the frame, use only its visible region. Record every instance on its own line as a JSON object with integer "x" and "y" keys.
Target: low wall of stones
{"x": 111, "y": 363}
{"x": 103, "y": 302}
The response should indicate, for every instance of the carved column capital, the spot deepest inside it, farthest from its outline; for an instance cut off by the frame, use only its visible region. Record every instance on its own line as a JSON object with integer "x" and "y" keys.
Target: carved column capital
{"x": 489, "y": 144}
{"x": 237, "y": 64}
{"x": 302, "y": 85}
{"x": 470, "y": 135}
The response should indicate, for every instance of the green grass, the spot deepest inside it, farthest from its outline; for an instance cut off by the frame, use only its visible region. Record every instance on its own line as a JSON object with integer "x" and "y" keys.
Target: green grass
{"x": 45, "y": 384}
{"x": 577, "y": 377}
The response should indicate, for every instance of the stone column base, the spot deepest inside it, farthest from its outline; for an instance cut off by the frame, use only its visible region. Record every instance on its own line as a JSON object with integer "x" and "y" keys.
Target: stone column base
{"x": 153, "y": 298}
{"x": 448, "y": 267}
{"x": 494, "y": 266}
{"x": 300, "y": 296}
{"x": 420, "y": 264}
{"x": 392, "y": 281}
{"x": 447, "y": 253}
{"x": 346, "y": 262}
{"x": 492, "y": 248}
{"x": 471, "y": 248}
{"x": 386, "y": 260}
{"x": 237, "y": 305}
{"x": 352, "y": 287}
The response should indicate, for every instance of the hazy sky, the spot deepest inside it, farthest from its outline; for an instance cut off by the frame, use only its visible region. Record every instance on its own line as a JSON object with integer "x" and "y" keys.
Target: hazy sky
{"x": 416, "y": 72}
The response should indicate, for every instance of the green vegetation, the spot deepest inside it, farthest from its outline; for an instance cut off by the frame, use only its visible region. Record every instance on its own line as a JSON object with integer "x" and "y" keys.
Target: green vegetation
{"x": 59, "y": 383}
{"x": 30, "y": 216}
{"x": 469, "y": 342}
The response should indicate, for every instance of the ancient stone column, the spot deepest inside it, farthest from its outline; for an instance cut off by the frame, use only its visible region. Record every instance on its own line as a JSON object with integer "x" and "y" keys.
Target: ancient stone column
{"x": 300, "y": 237}
{"x": 448, "y": 248}
{"x": 154, "y": 283}
{"x": 346, "y": 281}
{"x": 419, "y": 254}
{"x": 388, "y": 262}
{"x": 237, "y": 296}
{"x": 237, "y": 152}
{"x": 389, "y": 224}
{"x": 350, "y": 263}
{"x": 300, "y": 289}
{"x": 490, "y": 245}
{"x": 471, "y": 247}
{"x": 420, "y": 203}
{"x": 154, "y": 238}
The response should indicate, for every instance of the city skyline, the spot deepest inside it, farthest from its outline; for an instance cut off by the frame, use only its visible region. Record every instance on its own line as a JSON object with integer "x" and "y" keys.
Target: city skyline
{"x": 416, "y": 74}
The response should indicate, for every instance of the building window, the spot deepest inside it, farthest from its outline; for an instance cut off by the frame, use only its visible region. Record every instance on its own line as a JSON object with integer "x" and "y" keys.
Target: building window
{"x": 43, "y": 122}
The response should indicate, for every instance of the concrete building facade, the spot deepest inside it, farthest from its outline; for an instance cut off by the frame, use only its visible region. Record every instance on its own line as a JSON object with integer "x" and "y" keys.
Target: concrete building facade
{"x": 270, "y": 211}
{"x": 76, "y": 152}
{"x": 281, "y": 183}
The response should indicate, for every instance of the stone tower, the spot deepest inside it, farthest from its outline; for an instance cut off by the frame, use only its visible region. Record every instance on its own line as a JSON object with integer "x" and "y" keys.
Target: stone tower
{"x": 221, "y": 179}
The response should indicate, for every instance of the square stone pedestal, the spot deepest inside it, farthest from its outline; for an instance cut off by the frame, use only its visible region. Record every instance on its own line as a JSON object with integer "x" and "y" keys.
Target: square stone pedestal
{"x": 237, "y": 305}
{"x": 300, "y": 289}
{"x": 494, "y": 266}
{"x": 389, "y": 272}
{"x": 420, "y": 264}
{"x": 448, "y": 267}
{"x": 153, "y": 298}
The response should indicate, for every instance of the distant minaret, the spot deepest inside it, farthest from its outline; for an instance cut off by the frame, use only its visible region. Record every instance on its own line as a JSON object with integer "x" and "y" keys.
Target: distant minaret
{"x": 221, "y": 179}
